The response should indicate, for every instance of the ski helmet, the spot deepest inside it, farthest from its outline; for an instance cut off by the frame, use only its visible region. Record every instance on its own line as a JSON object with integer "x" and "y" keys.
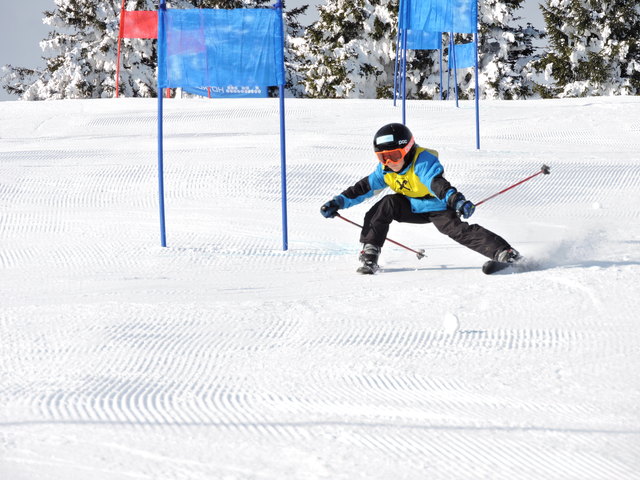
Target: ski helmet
{"x": 392, "y": 143}
{"x": 391, "y": 137}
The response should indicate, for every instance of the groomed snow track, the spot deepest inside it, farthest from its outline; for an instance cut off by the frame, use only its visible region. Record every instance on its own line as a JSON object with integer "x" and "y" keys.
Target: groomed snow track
{"x": 223, "y": 357}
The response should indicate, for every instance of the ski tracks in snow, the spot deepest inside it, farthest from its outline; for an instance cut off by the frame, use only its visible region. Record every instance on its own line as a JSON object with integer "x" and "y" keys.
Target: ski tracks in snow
{"x": 284, "y": 364}
{"x": 408, "y": 394}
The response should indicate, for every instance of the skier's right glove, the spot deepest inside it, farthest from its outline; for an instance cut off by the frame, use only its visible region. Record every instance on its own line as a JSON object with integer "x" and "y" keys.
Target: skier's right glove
{"x": 330, "y": 209}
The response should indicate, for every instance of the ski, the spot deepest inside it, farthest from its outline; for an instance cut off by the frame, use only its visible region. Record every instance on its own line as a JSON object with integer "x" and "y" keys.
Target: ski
{"x": 493, "y": 266}
{"x": 519, "y": 266}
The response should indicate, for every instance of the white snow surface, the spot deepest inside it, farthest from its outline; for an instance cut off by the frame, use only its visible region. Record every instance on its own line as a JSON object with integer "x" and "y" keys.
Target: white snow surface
{"x": 224, "y": 357}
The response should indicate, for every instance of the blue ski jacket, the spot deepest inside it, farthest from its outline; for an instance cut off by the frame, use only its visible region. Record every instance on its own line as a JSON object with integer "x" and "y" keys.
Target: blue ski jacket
{"x": 420, "y": 180}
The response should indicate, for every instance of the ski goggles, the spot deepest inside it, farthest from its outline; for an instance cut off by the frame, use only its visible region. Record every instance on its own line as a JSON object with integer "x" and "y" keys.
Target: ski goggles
{"x": 396, "y": 156}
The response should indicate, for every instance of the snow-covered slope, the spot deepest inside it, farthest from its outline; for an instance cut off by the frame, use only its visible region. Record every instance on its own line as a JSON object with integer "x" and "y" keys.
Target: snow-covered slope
{"x": 224, "y": 357}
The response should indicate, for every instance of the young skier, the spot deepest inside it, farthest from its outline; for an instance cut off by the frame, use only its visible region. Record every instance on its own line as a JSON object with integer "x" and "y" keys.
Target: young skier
{"x": 422, "y": 195}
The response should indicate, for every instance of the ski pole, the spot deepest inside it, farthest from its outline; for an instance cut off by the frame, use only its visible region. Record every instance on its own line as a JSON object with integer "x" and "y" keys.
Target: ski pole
{"x": 419, "y": 253}
{"x": 544, "y": 169}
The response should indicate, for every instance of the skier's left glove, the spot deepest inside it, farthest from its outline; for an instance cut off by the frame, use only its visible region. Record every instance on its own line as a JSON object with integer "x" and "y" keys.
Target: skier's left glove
{"x": 464, "y": 207}
{"x": 330, "y": 209}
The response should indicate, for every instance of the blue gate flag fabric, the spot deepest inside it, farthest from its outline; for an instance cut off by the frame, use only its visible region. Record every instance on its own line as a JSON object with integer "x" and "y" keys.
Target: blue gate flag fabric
{"x": 418, "y": 40}
{"x": 465, "y": 55}
{"x": 220, "y": 47}
{"x": 458, "y": 16}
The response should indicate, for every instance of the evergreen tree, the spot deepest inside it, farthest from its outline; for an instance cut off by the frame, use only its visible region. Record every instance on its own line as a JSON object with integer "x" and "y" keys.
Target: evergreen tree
{"x": 330, "y": 53}
{"x": 80, "y": 54}
{"x": 16, "y": 80}
{"x": 350, "y": 52}
{"x": 594, "y": 48}
{"x": 81, "y": 50}
{"x": 505, "y": 52}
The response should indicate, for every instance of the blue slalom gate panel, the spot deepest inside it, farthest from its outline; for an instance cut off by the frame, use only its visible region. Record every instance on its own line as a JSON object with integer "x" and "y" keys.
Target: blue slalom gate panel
{"x": 464, "y": 55}
{"x": 205, "y": 47}
{"x": 419, "y": 20}
{"x": 418, "y": 40}
{"x": 225, "y": 49}
{"x": 459, "y": 16}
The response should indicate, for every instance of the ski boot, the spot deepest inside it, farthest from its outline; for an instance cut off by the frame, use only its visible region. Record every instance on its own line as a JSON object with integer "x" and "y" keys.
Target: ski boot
{"x": 369, "y": 258}
{"x": 508, "y": 255}
{"x": 501, "y": 260}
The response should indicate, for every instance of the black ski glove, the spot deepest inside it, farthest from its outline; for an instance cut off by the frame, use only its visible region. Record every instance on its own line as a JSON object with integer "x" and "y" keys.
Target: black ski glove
{"x": 464, "y": 207}
{"x": 330, "y": 209}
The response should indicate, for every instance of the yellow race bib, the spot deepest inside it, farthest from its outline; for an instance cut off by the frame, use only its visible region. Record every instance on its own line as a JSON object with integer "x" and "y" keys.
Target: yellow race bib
{"x": 409, "y": 183}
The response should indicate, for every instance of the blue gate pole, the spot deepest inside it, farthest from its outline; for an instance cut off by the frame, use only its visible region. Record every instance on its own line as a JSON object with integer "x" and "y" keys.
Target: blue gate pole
{"x": 404, "y": 76}
{"x": 395, "y": 68}
{"x": 440, "y": 50}
{"x": 449, "y": 69}
{"x": 161, "y": 54}
{"x": 475, "y": 39}
{"x": 455, "y": 67}
{"x": 283, "y": 147}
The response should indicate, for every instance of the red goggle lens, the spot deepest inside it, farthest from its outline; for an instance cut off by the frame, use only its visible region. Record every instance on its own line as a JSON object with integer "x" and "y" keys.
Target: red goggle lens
{"x": 395, "y": 156}
{"x": 391, "y": 156}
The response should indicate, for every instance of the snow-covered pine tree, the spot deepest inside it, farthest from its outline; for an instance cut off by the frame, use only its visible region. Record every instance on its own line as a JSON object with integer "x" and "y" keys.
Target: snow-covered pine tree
{"x": 349, "y": 53}
{"x": 81, "y": 48}
{"x": 80, "y": 54}
{"x": 594, "y": 48}
{"x": 505, "y": 51}
{"x": 16, "y": 80}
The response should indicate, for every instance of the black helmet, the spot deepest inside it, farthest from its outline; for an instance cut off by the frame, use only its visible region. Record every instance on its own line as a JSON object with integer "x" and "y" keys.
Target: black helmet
{"x": 391, "y": 137}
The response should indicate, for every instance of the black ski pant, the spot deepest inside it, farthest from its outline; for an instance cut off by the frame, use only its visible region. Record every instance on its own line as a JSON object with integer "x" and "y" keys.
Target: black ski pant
{"x": 397, "y": 207}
